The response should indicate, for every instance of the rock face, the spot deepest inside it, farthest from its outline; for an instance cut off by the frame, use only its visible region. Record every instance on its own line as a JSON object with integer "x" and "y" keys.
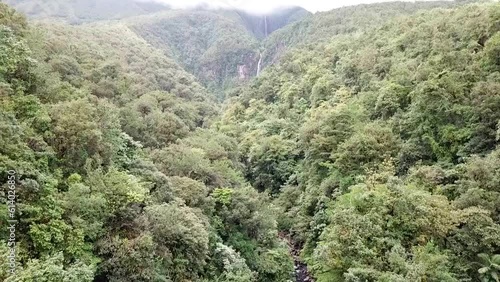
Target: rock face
{"x": 301, "y": 273}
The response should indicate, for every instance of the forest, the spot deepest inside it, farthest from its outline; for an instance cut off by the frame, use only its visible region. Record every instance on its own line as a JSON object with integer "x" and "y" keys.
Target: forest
{"x": 358, "y": 144}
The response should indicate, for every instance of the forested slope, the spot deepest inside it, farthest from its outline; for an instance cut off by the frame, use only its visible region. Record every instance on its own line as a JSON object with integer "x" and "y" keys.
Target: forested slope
{"x": 220, "y": 47}
{"x": 381, "y": 147}
{"x": 118, "y": 177}
{"x": 371, "y": 143}
{"x": 210, "y": 44}
{"x": 226, "y": 48}
{"x": 82, "y": 11}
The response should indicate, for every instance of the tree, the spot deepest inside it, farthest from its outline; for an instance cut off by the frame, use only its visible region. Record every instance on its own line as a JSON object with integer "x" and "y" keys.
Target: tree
{"x": 182, "y": 239}
{"x": 368, "y": 222}
{"x": 491, "y": 267}
{"x": 52, "y": 269}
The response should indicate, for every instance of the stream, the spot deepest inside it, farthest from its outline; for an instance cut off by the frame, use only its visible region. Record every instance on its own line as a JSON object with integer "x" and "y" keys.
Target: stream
{"x": 301, "y": 272}
{"x": 259, "y": 63}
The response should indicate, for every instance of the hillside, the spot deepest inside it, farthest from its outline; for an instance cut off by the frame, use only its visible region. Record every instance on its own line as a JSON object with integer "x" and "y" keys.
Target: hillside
{"x": 323, "y": 26}
{"x": 213, "y": 46}
{"x": 224, "y": 48}
{"x": 121, "y": 178}
{"x": 220, "y": 47}
{"x": 381, "y": 147}
{"x": 365, "y": 150}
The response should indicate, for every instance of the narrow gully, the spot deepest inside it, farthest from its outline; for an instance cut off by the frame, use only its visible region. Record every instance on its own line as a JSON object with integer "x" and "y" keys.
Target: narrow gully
{"x": 301, "y": 272}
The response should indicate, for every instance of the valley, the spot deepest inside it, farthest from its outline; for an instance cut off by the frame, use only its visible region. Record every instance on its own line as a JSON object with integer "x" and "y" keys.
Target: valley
{"x": 217, "y": 145}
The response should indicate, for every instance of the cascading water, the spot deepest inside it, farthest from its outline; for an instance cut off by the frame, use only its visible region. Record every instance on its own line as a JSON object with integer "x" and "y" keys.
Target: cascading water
{"x": 259, "y": 64}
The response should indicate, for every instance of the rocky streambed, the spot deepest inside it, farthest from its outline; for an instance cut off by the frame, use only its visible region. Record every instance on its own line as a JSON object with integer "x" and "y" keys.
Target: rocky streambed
{"x": 301, "y": 272}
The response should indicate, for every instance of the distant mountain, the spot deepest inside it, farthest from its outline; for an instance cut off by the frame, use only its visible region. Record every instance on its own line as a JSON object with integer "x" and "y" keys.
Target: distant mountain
{"x": 221, "y": 47}
{"x": 324, "y": 25}
{"x": 81, "y": 11}
{"x": 224, "y": 48}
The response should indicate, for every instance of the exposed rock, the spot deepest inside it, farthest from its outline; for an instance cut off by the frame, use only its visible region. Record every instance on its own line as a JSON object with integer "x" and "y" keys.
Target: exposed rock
{"x": 301, "y": 272}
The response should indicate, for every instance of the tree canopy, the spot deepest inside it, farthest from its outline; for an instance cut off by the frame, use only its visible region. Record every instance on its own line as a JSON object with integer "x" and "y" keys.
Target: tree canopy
{"x": 366, "y": 148}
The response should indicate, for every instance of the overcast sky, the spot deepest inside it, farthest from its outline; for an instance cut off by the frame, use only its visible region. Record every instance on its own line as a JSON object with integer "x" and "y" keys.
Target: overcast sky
{"x": 262, "y": 6}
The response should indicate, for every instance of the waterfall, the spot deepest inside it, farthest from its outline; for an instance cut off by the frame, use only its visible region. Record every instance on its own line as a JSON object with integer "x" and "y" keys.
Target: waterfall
{"x": 258, "y": 64}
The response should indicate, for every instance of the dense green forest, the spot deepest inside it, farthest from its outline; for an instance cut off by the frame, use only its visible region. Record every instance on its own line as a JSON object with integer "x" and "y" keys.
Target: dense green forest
{"x": 366, "y": 148}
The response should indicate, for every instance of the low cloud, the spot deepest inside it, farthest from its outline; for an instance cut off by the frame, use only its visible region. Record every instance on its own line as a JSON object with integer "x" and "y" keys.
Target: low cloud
{"x": 253, "y": 6}
{"x": 265, "y": 6}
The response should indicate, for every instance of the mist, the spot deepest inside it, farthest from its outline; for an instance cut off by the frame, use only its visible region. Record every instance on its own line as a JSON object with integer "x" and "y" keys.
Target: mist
{"x": 263, "y": 6}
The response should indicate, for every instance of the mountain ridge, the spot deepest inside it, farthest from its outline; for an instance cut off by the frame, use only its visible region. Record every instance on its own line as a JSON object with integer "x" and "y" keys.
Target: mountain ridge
{"x": 225, "y": 48}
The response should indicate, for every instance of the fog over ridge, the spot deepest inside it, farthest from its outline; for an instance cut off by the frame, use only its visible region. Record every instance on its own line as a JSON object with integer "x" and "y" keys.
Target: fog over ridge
{"x": 263, "y": 6}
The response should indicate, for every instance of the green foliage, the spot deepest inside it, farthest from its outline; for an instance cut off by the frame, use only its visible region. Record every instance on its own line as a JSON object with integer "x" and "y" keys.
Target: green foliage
{"x": 52, "y": 269}
{"x": 156, "y": 119}
{"x": 235, "y": 268}
{"x": 492, "y": 48}
{"x": 15, "y": 73}
{"x": 369, "y": 222}
{"x": 374, "y": 148}
{"x": 371, "y": 145}
{"x": 270, "y": 163}
{"x": 491, "y": 266}
{"x": 193, "y": 162}
{"x": 346, "y": 132}
{"x": 77, "y": 136}
{"x": 275, "y": 265}
{"x": 222, "y": 195}
{"x": 131, "y": 259}
{"x": 182, "y": 233}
